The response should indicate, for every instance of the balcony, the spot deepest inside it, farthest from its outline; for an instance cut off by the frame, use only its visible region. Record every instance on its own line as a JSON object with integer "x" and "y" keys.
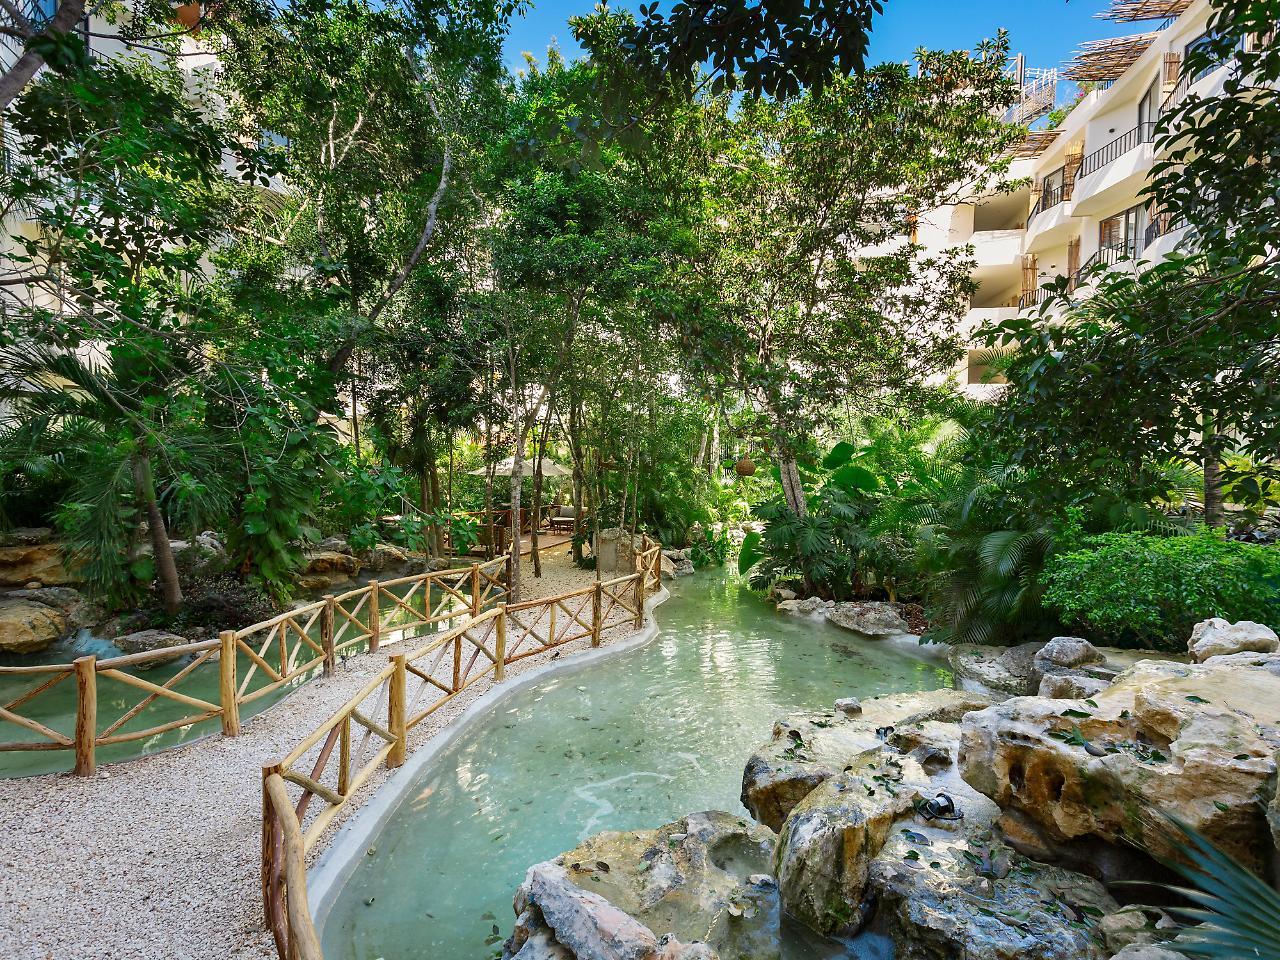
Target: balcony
{"x": 997, "y": 248}
{"x": 1115, "y": 174}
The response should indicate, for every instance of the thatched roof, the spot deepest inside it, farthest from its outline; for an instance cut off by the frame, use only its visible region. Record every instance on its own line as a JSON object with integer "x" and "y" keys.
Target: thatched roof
{"x": 1102, "y": 60}
{"x": 1131, "y": 11}
{"x": 1037, "y": 142}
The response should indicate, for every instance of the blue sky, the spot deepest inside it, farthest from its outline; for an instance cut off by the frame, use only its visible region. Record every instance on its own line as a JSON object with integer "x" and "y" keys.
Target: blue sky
{"x": 1047, "y": 31}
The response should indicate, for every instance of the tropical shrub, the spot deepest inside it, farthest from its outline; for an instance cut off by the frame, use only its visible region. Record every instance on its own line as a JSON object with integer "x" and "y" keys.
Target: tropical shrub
{"x": 1149, "y": 591}
{"x": 712, "y": 549}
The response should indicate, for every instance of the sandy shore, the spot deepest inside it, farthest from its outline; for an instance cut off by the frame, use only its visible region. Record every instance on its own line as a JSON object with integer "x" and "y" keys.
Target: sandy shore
{"x": 158, "y": 858}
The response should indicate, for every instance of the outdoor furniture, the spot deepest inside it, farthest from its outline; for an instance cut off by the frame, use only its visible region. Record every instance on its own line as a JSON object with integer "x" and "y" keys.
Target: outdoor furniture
{"x": 563, "y": 518}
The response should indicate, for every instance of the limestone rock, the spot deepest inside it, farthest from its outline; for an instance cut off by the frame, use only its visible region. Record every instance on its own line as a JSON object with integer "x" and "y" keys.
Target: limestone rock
{"x": 1002, "y": 671}
{"x": 848, "y": 705}
{"x": 22, "y": 562}
{"x": 381, "y": 556}
{"x": 78, "y": 609}
{"x": 1147, "y": 951}
{"x": 1070, "y": 685}
{"x": 667, "y": 568}
{"x": 1217, "y": 637}
{"x": 334, "y": 545}
{"x": 685, "y": 568}
{"x": 322, "y": 568}
{"x": 869, "y": 619}
{"x": 649, "y": 894}
{"x": 27, "y": 626}
{"x": 783, "y": 593}
{"x": 829, "y": 840}
{"x": 144, "y": 641}
{"x": 942, "y": 898}
{"x": 789, "y": 606}
{"x": 1197, "y": 741}
{"x": 807, "y": 750}
{"x": 204, "y": 556}
{"x": 26, "y": 536}
{"x": 1066, "y": 653}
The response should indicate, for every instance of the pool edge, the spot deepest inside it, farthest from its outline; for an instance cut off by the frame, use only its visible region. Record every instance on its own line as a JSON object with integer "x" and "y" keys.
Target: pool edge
{"x": 326, "y": 879}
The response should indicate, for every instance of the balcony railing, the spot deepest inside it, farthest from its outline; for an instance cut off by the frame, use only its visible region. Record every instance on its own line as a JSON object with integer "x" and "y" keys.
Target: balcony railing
{"x": 1159, "y": 226}
{"x": 1047, "y": 200}
{"x": 1142, "y": 133}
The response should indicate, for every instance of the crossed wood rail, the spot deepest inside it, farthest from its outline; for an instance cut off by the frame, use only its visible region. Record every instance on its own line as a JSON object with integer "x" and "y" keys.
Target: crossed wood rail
{"x": 284, "y": 650}
{"x": 371, "y": 729}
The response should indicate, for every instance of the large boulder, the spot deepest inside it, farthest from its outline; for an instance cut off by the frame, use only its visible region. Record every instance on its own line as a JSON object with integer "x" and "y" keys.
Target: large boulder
{"x": 869, "y": 619}
{"x": 382, "y": 556}
{"x": 866, "y": 851}
{"x": 145, "y": 641}
{"x": 1217, "y": 638}
{"x": 940, "y": 898}
{"x": 28, "y": 558}
{"x": 27, "y": 626}
{"x": 830, "y": 838}
{"x": 999, "y": 671}
{"x": 1066, "y": 653}
{"x": 323, "y": 568}
{"x": 807, "y": 750}
{"x": 695, "y": 888}
{"x": 203, "y": 556}
{"x": 1196, "y": 741}
{"x": 78, "y": 610}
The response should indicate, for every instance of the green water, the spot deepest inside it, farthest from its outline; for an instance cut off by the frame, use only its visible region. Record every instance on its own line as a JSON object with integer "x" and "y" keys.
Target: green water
{"x": 632, "y": 742}
{"x": 56, "y": 707}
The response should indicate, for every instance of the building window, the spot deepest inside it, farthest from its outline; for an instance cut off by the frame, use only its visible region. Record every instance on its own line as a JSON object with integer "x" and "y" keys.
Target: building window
{"x": 1120, "y": 236}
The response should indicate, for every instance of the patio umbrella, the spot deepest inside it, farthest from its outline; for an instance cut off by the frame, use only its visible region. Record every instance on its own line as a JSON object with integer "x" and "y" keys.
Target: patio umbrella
{"x": 506, "y": 467}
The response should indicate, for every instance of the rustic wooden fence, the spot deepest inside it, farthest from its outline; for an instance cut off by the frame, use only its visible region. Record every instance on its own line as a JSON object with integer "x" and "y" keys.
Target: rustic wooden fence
{"x": 371, "y": 729}
{"x": 252, "y": 663}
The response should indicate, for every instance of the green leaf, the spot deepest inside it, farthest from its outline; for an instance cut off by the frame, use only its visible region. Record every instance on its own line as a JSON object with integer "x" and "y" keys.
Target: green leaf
{"x": 852, "y": 478}
{"x": 839, "y": 455}
{"x": 749, "y": 554}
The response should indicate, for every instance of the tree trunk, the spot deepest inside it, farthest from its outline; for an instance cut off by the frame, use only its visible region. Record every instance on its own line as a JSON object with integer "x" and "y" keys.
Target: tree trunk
{"x": 713, "y": 450}
{"x": 792, "y": 488}
{"x": 579, "y": 472}
{"x": 166, "y": 569}
{"x": 539, "y": 452}
{"x": 18, "y": 74}
{"x": 1214, "y": 514}
{"x": 517, "y": 476}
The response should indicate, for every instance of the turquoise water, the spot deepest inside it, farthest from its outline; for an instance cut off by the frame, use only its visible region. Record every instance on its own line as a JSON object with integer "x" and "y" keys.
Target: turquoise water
{"x": 632, "y": 742}
{"x": 56, "y": 707}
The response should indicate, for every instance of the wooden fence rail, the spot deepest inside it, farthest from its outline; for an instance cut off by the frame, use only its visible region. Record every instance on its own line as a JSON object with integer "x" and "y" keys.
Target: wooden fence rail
{"x": 371, "y": 729}
{"x": 252, "y": 663}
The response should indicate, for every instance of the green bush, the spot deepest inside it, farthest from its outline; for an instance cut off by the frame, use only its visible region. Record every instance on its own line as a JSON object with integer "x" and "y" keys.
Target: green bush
{"x": 1149, "y": 591}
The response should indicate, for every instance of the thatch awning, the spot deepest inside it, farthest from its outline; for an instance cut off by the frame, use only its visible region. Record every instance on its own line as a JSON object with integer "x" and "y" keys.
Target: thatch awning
{"x": 1037, "y": 142}
{"x": 1100, "y": 60}
{"x": 1131, "y": 11}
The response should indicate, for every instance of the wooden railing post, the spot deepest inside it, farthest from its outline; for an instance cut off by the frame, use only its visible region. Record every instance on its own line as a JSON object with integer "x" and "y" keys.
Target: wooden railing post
{"x": 500, "y": 645}
{"x": 457, "y": 661}
{"x": 86, "y": 715}
{"x": 596, "y": 591}
{"x": 475, "y": 590}
{"x": 641, "y": 576}
{"x": 375, "y": 618}
{"x": 228, "y": 695}
{"x": 326, "y": 632}
{"x": 396, "y": 711}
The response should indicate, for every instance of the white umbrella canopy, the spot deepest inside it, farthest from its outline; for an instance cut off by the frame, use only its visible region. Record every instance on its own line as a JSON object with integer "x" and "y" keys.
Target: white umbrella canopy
{"x": 506, "y": 467}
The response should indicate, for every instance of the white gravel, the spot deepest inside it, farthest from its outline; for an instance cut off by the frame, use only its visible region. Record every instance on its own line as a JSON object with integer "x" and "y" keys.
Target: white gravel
{"x": 158, "y": 858}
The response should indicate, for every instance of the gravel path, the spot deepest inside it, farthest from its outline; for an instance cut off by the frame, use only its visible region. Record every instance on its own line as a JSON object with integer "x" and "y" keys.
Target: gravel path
{"x": 158, "y": 858}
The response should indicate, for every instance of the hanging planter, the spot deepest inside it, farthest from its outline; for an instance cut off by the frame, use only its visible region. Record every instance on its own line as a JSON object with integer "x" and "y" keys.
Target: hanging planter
{"x": 745, "y": 467}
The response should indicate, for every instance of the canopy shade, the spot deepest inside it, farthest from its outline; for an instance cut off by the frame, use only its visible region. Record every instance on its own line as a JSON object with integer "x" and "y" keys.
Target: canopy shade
{"x": 506, "y": 467}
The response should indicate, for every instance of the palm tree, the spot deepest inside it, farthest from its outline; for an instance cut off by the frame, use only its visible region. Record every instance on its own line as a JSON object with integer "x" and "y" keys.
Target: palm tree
{"x": 104, "y": 424}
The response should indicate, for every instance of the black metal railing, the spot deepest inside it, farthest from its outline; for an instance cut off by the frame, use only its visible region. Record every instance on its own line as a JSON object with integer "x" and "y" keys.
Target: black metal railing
{"x": 1034, "y": 298}
{"x": 1048, "y": 199}
{"x": 1160, "y": 225}
{"x": 1108, "y": 256}
{"x": 1142, "y": 133}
